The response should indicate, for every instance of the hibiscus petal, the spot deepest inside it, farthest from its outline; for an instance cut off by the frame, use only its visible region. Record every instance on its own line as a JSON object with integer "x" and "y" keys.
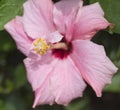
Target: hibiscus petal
{"x": 54, "y": 37}
{"x": 43, "y": 95}
{"x": 64, "y": 13}
{"x": 66, "y": 82}
{"x": 15, "y": 28}
{"x": 37, "y": 71}
{"x": 95, "y": 67}
{"x": 59, "y": 81}
{"x": 89, "y": 21}
{"x": 38, "y": 75}
{"x": 37, "y": 18}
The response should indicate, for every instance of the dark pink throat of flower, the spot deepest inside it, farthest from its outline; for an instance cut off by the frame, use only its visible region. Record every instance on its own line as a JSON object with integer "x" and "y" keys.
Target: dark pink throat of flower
{"x": 62, "y": 53}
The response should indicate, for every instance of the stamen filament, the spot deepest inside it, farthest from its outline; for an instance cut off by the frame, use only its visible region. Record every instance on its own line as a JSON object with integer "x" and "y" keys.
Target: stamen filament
{"x": 59, "y": 45}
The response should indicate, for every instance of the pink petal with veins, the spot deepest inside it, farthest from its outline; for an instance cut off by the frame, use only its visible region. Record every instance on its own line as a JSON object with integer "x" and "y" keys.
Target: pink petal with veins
{"x": 64, "y": 14}
{"x": 89, "y": 21}
{"x": 66, "y": 81}
{"x": 95, "y": 67}
{"x": 38, "y": 72}
{"x": 15, "y": 28}
{"x": 52, "y": 83}
{"x": 54, "y": 37}
{"x": 37, "y": 18}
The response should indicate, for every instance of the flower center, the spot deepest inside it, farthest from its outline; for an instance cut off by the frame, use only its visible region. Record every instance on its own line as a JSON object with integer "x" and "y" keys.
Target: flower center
{"x": 41, "y": 46}
{"x": 64, "y": 50}
{"x": 60, "y": 50}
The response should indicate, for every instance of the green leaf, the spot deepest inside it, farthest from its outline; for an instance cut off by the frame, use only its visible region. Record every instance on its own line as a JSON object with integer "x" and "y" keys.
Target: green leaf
{"x": 2, "y": 104}
{"x": 14, "y": 102}
{"x": 8, "y": 10}
{"x": 7, "y": 43}
{"x": 112, "y": 12}
{"x": 8, "y": 87}
{"x": 19, "y": 76}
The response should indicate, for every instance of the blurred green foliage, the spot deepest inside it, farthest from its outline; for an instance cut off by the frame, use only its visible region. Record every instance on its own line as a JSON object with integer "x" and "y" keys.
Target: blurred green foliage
{"x": 8, "y": 10}
{"x": 16, "y": 93}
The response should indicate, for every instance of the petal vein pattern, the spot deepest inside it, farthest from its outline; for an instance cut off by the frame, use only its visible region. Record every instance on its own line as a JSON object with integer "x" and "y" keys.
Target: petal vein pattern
{"x": 37, "y": 18}
{"x": 15, "y": 28}
{"x": 56, "y": 85}
{"x": 64, "y": 13}
{"x": 90, "y": 19}
{"x": 94, "y": 65}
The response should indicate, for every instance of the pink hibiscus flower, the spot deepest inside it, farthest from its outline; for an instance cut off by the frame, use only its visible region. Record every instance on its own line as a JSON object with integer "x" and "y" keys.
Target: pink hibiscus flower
{"x": 60, "y": 56}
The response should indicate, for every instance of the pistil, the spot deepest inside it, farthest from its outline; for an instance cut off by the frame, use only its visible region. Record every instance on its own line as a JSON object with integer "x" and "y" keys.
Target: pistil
{"x": 60, "y": 45}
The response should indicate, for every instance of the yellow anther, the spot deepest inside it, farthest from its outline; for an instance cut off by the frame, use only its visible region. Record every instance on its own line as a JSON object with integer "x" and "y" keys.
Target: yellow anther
{"x": 41, "y": 46}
